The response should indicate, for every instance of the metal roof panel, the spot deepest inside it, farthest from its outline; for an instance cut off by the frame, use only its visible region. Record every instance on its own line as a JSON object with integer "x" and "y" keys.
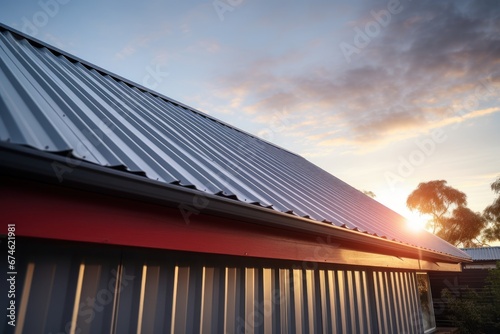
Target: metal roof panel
{"x": 55, "y": 102}
{"x": 484, "y": 253}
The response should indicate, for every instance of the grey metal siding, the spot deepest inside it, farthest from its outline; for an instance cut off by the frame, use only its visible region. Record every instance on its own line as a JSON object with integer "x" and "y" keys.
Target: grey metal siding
{"x": 107, "y": 290}
{"x": 397, "y": 303}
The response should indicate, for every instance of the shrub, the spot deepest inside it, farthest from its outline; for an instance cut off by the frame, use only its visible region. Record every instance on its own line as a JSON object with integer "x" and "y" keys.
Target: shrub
{"x": 476, "y": 312}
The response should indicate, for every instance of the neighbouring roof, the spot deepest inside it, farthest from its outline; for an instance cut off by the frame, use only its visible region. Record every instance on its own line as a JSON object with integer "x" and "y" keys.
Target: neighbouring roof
{"x": 54, "y": 102}
{"x": 483, "y": 253}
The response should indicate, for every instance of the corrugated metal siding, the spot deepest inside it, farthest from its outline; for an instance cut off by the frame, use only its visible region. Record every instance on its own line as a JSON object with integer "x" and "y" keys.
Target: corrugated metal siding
{"x": 397, "y": 302}
{"x": 105, "y": 290}
{"x": 54, "y": 290}
{"x": 58, "y": 104}
{"x": 483, "y": 253}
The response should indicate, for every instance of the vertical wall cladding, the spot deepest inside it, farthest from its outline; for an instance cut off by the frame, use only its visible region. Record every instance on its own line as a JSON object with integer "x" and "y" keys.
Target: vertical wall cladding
{"x": 64, "y": 291}
{"x": 397, "y": 303}
{"x": 125, "y": 291}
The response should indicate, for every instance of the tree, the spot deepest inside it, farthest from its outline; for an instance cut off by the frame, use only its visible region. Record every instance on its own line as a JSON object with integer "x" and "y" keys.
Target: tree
{"x": 435, "y": 198}
{"x": 447, "y": 206}
{"x": 369, "y": 193}
{"x": 492, "y": 215}
{"x": 462, "y": 227}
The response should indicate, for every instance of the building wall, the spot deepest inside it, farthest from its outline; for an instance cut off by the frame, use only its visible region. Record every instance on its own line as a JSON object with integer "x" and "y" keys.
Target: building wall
{"x": 86, "y": 288}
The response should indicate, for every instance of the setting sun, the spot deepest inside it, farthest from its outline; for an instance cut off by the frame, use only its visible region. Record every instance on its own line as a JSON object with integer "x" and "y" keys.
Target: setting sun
{"x": 416, "y": 221}
{"x": 396, "y": 200}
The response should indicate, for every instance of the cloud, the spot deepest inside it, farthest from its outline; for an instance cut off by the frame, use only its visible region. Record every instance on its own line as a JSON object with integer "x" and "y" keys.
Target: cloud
{"x": 204, "y": 45}
{"x": 435, "y": 64}
{"x": 459, "y": 119}
{"x": 126, "y": 51}
{"x": 141, "y": 42}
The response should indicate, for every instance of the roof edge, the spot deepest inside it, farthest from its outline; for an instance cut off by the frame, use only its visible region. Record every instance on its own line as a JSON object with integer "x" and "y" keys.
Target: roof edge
{"x": 72, "y": 172}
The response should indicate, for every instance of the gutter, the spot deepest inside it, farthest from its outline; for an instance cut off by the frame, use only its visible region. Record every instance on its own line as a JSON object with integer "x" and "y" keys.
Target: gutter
{"x": 26, "y": 162}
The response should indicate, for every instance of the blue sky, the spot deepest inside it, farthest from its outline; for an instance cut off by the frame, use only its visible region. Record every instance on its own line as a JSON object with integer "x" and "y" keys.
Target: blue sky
{"x": 382, "y": 94}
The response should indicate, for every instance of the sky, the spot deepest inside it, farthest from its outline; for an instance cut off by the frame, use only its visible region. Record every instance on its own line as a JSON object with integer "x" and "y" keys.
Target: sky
{"x": 382, "y": 94}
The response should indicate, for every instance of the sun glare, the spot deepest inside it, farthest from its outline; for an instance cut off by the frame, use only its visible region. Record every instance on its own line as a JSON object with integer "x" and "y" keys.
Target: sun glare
{"x": 396, "y": 200}
{"x": 416, "y": 222}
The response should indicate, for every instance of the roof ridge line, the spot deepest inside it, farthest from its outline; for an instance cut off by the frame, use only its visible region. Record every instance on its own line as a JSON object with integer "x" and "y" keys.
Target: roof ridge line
{"x": 481, "y": 247}
{"x": 70, "y": 56}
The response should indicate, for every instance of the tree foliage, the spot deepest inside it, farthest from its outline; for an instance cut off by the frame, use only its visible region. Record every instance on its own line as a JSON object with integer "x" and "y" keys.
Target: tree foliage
{"x": 476, "y": 311}
{"x": 451, "y": 219}
{"x": 369, "y": 193}
{"x": 492, "y": 215}
{"x": 435, "y": 198}
{"x": 463, "y": 227}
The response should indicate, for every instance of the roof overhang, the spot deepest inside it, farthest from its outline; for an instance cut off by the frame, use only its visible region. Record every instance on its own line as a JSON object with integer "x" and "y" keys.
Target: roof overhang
{"x": 61, "y": 169}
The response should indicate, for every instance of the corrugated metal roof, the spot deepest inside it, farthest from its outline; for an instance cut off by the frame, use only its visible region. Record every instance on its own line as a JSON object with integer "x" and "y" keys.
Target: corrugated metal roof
{"x": 484, "y": 253}
{"x": 57, "y": 103}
